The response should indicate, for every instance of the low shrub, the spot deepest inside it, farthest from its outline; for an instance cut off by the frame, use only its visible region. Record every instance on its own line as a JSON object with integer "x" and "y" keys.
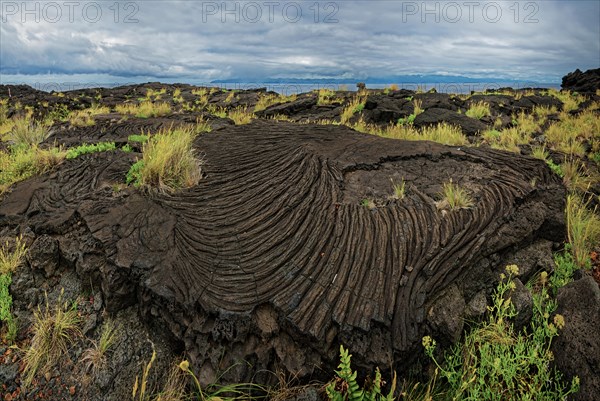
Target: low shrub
{"x": 495, "y": 362}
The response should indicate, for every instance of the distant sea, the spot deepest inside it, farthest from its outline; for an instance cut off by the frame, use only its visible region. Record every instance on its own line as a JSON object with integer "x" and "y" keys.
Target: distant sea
{"x": 50, "y": 83}
{"x": 459, "y": 88}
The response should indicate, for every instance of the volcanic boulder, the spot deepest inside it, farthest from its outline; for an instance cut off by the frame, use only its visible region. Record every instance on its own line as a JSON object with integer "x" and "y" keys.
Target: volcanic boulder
{"x": 272, "y": 258}
{"x": 583, "y": 82}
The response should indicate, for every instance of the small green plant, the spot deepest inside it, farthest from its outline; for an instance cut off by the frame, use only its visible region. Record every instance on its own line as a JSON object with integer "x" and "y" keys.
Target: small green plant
{"x": 91, "y": 148}
{"x": 407, "y": 120}
{"x": 556, "y": 168}
{"x": 3, "y": 111}
{"x": 9, "y": 261}
{"x": 565, "y": 267}
{"x": 479, "y": 110}
{"x": 230, "y": 97}
{"x": 495, "y": 362}
{"x": 54, "y": 329}
{"x": 455, "y": 196}
{"x": 368, "y": 203}
{"x": 127, "y": 148}
{"x": 526, "y": 124}
{"x": 202, "y": 100}
{"x": 345, "y": 387}
{"x": 138, "y": 138}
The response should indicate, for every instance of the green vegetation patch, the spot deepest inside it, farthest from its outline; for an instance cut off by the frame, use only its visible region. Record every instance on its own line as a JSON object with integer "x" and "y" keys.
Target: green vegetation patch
{"x": 90, "y": 148}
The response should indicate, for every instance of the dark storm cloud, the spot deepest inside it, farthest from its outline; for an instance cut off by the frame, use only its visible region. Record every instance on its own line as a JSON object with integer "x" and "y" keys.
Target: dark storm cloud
{"x": 207, "y": 40}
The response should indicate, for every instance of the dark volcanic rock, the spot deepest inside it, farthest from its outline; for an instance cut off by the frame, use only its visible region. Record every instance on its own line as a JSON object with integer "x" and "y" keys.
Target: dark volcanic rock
{"x": 271, "y": 258}
{"x": 583, "y": 82}
{"x": 43, "y": 254}
{"x": 446, "y": 316}
{"x": 470, "y": 126}
{"x": 576, "y": 349}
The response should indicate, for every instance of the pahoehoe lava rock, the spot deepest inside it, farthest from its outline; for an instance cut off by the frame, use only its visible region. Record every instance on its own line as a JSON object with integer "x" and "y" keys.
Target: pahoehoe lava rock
{"x": 584, "y": 82}
{"x": 272, "y": 259}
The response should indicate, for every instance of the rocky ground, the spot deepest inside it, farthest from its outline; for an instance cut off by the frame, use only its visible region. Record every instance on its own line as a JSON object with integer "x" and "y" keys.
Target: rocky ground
{"x": 292, "y": 243}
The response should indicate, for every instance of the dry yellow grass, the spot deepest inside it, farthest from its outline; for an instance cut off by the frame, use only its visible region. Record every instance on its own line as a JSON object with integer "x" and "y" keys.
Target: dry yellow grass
{"x": 240, "y": 116}
{"x": 479, "y": 110}
{"x": 441, "y": 133}
{"x": 356, "y": 105}
{"x": 269, "y": 99}
{"x": 22, "y": 162}
{"x": 85, "y": 117}
{"x": 27, "y": 132}
{"x": 168, "y": 161}
{"x": 326, "y": 96}
{"x": 568, "y": 134}
{"x": 507, "y": 139}
{"x": 54, "y": 329}
{"x": 527, "y": 123}
{"x": 569, "y": 100}
{"x": 144, "y": 109}
{"x": 583, "y": 229}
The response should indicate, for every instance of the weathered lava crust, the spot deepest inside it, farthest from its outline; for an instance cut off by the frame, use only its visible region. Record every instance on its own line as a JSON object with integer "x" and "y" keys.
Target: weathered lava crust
{"x": 272, "y": 258}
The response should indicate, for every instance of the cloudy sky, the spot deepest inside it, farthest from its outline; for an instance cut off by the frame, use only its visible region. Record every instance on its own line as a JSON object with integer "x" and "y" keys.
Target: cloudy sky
{"x": 200, "y": 41}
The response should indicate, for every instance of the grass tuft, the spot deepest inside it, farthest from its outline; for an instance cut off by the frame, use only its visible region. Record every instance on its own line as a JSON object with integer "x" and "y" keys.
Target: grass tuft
{"x": 85, "y": 118}
{"x": 326, "y": 96}
{"x": 240, "y": 116}
{"x": 54, "y": 329}
{"x": 455, "y": 196}
{"x": 95, "y": 357}
{"x": 479, "y": 110}
{"x": 19, "y": 163}
{"x": 583, "y": 229}
{"x": 144, "y": 109}
{"x": 356, "y": 105}
{"x": 398, "y": 190}
{"x": 168, "y": 161}
{"x": 27, "y": 132}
